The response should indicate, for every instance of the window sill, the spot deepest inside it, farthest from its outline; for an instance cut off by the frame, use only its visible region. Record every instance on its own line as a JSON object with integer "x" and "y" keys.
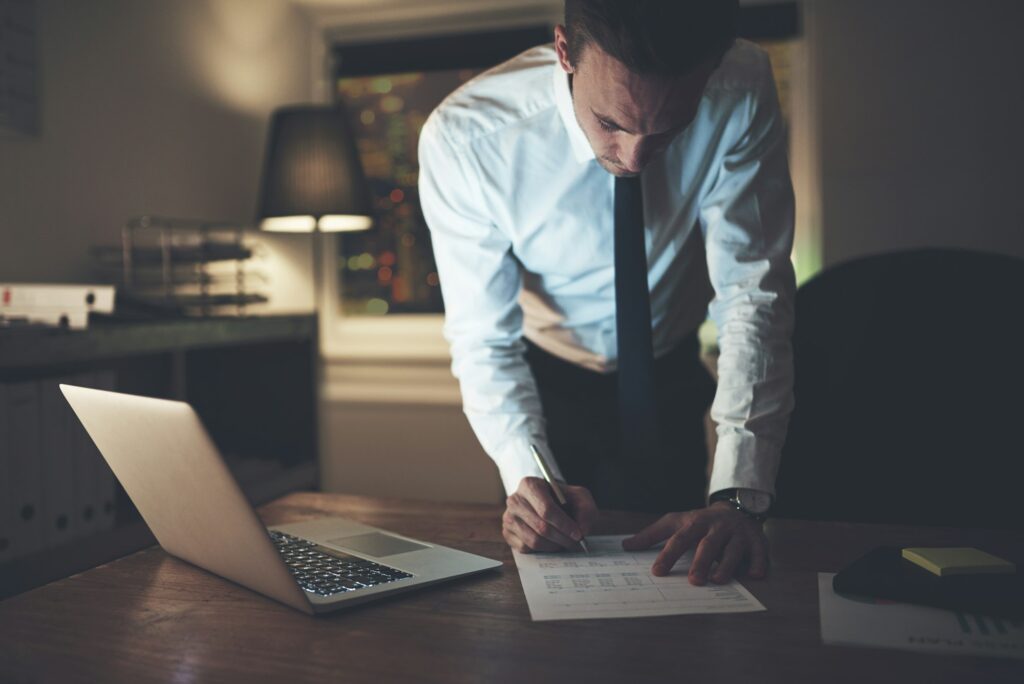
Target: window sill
{"x": 409, "y": 338}
{"x": 378, "y": 383}
{"x": 400, "y": 359}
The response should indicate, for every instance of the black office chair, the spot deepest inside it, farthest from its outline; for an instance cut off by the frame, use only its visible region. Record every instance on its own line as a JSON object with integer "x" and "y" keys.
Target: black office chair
{"x": 909, "y": 392}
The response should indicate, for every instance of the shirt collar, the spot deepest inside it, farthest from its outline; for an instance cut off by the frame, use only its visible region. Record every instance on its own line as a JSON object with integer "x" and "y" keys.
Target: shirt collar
{"x": 563, "y": 98}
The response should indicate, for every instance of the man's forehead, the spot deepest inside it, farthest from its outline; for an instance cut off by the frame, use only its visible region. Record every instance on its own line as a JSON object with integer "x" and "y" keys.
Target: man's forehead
{"x": 639, "y": 103}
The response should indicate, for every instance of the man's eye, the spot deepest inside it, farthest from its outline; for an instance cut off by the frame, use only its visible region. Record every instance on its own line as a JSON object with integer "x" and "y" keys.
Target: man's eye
{"x": 607, "y": 126}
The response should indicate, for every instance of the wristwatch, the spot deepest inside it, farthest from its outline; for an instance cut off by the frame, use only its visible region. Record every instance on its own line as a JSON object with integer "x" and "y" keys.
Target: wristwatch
{"x": 753, "y": 502}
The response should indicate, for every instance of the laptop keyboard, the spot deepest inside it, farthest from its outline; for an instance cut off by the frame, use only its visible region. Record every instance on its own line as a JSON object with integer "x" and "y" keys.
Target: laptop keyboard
{"x": 326, "y": 573}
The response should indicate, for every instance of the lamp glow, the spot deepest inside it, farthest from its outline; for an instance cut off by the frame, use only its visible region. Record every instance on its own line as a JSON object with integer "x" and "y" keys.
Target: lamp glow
{"x": 336, "y": 223}
{"x": 289, "y": 224}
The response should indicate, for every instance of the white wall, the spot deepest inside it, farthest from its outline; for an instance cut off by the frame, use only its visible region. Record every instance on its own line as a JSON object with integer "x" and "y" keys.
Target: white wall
{"x": 407, "y": 450}
{"x": 920, "y": 105}
{"x": 147, "y": 107}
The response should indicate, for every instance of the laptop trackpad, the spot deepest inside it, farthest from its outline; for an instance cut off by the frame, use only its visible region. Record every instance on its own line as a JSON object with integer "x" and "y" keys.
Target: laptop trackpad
{"x": 377, "y": 544}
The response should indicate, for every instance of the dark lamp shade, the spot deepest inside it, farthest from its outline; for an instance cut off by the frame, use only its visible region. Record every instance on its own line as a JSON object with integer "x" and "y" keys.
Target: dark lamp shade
{"x": 312, "y": 176}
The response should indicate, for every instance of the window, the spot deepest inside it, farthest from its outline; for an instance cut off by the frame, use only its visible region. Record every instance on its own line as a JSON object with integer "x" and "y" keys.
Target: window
{"x": 389, "y": 90}
{"x": 391, "y": 268}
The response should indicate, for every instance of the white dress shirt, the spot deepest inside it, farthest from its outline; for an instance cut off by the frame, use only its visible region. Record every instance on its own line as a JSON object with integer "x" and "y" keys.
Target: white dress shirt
{"x": 521, "y": 218}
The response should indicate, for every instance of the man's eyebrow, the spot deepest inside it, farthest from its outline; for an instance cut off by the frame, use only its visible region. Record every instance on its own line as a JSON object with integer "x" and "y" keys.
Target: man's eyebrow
{"x": 609, "y": 120}
{"x": 612, "y": 122}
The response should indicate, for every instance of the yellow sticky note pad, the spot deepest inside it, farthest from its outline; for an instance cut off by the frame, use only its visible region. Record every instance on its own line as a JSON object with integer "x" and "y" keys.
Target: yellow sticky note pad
{"x": 965, "y": 560}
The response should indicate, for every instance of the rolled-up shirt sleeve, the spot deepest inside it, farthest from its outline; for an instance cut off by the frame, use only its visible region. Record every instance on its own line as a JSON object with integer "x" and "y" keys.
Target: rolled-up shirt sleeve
{"x": 480, "y": 282}
{"x": 747, "y": 219}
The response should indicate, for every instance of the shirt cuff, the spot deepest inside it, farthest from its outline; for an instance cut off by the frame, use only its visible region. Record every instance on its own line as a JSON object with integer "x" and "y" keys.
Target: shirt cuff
{"x": 744, "y": 462}
{"x": 515, "y": 461}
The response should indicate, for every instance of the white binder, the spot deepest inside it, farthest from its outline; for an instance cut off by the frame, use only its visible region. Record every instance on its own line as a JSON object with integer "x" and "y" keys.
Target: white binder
{"x": 58, "y": 457}
{"x": 22, "y": 469}
{"x": 99, "y": 298}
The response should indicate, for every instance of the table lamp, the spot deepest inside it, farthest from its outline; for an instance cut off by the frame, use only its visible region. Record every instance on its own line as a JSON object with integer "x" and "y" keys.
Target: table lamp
{"x": 313, "y": 181}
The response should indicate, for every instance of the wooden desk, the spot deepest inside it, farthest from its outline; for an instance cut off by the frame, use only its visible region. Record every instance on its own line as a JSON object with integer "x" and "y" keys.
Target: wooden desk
{"x": 151, "y": 617}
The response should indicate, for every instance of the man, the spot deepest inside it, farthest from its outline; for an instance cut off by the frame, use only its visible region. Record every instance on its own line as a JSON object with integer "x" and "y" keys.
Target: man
{"x": 593, "y": 197}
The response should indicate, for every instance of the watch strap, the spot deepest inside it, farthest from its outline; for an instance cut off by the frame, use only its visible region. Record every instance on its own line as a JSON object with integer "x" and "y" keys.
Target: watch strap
{"x": 731, "y": 496}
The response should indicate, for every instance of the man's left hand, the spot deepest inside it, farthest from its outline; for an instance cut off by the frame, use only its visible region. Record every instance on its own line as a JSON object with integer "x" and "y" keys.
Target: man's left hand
{"x": 719, "y": 533}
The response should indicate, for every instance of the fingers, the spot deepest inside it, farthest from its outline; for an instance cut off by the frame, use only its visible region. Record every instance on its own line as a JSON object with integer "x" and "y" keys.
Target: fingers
{"x": 583, "y": 507}
{"x": 708, "y": 550}
{"x": 514, "y": 542}
{"x": 736, "y": 550}
{"x": 720, "y": 534}
{"x": 678, "y": 544}
{"x": 658, "y": 531}
{"x": 535, "y": 521}
{"x": 511, "y": 539}
{"x": 541, "y": 500}
{"x": 524, "y": 539}
{"x": 544, "y": 529}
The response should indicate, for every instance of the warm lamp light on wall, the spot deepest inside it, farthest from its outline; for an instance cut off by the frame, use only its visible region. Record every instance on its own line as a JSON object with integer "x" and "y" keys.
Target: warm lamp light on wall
{"x": 313, "y": 181}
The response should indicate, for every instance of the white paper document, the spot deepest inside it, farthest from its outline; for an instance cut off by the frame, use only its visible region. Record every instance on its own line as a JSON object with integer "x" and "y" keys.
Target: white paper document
{"x": 612, "y": 583}
{"x": 884, "y": 624}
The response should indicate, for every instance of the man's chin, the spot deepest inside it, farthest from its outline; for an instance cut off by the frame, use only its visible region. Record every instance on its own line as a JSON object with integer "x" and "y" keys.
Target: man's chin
{"x": 617, "y": 170}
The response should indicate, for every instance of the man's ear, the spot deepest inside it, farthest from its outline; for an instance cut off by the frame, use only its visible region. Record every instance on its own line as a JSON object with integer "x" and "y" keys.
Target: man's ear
{"x": 562, "y": 49}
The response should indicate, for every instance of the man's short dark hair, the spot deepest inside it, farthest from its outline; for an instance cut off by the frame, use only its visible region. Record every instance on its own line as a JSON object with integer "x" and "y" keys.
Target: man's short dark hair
{"x": 652, "y": 37}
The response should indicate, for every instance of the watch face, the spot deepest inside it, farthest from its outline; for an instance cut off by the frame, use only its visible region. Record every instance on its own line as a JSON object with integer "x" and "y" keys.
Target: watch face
{"x": 755, "y": 501}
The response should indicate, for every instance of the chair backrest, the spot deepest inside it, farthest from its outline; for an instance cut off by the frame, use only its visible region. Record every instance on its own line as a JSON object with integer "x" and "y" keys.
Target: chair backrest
{"x": 909, "y": 392}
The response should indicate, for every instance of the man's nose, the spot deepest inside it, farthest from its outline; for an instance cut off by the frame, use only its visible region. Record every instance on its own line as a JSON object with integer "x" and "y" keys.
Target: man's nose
{"x": 634, "y": 154}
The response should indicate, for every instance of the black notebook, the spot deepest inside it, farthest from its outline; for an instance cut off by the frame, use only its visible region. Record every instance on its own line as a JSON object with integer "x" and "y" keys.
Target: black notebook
{"x": 884, "y": 573}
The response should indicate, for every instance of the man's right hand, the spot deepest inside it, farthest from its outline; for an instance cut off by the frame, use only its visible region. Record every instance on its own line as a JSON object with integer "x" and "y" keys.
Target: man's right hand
{"x": 534, "y": 520}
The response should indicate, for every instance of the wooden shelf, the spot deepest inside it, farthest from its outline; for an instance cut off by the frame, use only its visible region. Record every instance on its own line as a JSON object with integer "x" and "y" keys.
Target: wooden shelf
{"x": 22, "y": 350}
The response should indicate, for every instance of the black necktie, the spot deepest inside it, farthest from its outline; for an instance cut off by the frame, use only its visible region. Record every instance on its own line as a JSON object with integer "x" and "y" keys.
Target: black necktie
{"x": 638, "y": 421}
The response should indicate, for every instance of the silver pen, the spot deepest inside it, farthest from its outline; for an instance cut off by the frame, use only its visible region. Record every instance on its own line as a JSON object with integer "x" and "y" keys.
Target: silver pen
{"x": 563, "y": 502}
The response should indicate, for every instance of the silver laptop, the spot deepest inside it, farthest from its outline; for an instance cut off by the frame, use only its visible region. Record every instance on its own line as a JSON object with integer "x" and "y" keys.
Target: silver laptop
{"x": 173, "y": 473}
